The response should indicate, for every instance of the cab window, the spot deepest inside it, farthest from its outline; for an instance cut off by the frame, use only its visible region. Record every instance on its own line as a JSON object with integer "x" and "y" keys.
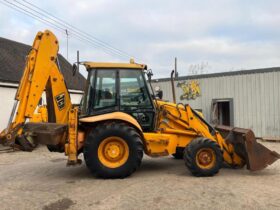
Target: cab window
{"x": 87, "y": 99}
{"x": 133, "y": 92}
{"x": 105, "y": 91}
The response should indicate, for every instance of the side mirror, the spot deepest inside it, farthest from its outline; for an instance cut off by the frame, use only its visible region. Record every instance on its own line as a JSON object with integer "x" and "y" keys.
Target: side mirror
{"x": 159, "y": 94}
{"x": 75, "y": 68}
{"x": 149, "y": 74}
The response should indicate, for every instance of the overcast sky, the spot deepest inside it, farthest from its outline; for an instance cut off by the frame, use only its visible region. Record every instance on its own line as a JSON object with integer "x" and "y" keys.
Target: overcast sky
{"x": 227, "y": 34}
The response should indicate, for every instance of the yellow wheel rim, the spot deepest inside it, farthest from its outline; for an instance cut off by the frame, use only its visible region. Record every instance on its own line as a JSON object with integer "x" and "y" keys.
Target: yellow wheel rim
{"x": 205, "y": 158}
{"x": 113, "y": 152}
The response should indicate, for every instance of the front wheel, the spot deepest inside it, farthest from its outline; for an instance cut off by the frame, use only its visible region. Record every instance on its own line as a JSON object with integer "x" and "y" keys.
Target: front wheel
{"x": 203, "y": 157}
{"x": 113, "y": 150}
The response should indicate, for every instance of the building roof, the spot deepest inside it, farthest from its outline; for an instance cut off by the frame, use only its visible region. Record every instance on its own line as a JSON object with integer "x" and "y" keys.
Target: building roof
{"x": 222, "y": 74}
{"x": 12, "y": 62}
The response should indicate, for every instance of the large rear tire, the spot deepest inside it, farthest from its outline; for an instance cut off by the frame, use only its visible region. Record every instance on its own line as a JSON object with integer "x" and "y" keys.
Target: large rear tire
{"x": 203, "y": 157}
{"x": 113, "y": 150}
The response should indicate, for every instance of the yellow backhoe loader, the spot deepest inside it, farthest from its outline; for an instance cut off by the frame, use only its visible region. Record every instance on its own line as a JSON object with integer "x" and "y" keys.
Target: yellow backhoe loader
{"x": 119, "y": 119}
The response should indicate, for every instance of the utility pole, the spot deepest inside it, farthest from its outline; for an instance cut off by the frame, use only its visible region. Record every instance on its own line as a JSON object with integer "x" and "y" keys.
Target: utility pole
{"x": 176, "y": 72}
{"x": 67, "y": 42}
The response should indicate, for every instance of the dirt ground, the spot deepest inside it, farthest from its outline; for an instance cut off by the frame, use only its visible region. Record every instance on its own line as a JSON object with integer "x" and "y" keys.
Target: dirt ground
{"x": 40, "y": 180}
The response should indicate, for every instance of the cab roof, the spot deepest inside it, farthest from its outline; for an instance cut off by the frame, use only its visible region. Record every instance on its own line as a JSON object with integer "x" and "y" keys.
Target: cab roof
{"x": 105, "y": 65}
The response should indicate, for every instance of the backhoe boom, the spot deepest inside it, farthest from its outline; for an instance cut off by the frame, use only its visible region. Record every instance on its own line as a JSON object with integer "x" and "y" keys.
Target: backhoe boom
{"x": 41, "y": 73}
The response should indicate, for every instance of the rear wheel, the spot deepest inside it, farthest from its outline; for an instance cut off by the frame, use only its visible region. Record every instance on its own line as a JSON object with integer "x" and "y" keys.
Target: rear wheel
{"x": 203, "y": 157}
{"x": 113, "y": 150}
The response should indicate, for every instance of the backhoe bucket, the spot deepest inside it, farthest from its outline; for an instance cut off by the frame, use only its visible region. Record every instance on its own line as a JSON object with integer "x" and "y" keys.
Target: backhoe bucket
{"x": 256, "y": 155}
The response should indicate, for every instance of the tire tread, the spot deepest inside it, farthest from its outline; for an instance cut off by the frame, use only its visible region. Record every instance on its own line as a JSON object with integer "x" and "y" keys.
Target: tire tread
{"x": 92, "y": 143}
{"x": 190, "y": 155}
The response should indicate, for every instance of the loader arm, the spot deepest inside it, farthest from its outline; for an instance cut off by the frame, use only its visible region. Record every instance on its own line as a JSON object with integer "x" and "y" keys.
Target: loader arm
{"x": 239, "y": 145}
{"x": 41, "y": 73}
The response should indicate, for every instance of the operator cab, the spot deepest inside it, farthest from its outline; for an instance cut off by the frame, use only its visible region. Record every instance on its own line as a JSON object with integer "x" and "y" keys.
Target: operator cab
{"x": 113, "y": 87}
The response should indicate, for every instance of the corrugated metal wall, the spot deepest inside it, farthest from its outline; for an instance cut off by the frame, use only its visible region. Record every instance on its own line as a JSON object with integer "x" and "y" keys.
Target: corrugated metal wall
{"x": 256, "y": 99}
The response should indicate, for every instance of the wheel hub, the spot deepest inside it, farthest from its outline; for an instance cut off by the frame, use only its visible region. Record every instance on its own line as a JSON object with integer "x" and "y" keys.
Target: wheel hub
{"x": 205, "y": 158}
{"x": 113, "y": 152}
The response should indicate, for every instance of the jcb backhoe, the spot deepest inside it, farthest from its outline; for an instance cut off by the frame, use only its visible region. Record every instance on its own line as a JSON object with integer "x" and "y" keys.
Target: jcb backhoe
{"x": 119, "y": 120}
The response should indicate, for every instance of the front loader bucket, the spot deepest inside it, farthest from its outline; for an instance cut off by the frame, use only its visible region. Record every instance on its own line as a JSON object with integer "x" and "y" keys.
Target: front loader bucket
{"x": 256, "y": 155}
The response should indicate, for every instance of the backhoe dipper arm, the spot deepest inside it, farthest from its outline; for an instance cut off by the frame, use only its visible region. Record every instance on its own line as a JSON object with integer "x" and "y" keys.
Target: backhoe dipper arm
{"x": 41, "y": 73}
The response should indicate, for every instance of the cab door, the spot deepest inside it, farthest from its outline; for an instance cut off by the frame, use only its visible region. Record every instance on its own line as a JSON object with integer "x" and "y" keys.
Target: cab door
{"x": 135, "y": 98}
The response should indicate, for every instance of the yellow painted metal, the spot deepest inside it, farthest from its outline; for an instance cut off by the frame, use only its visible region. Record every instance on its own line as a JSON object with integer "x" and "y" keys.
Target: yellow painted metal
{"x": 71, "y": 148}
{"x": 205, "y": 158}
{"x": 177, "y": 126}
{"x": 40, "y": 68}
{"x": 112, "y": 116}
{"x": 104, "y": 65}
{"x": 41, "y": 73}
{"x": 113, "y": 152}
{"x": 41, "y": 115}
{"x": 160, "y": 144}
{"x": 81, "y": 139}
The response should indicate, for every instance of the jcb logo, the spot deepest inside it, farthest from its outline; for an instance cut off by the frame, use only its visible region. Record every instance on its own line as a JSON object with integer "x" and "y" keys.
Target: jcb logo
{"x": 60, "y": 101}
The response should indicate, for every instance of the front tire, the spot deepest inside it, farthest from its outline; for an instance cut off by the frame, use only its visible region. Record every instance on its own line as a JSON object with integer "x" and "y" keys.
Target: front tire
{"x": 113, "y": 150}
{"x": 203, "y": 157}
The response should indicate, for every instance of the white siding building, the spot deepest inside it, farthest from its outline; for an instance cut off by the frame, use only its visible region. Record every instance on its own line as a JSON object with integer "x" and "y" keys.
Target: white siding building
{"x": 248, "y": 99}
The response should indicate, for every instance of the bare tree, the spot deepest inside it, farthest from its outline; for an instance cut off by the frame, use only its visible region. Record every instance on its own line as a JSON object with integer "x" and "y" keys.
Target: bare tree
{"x": 201, "y": 68}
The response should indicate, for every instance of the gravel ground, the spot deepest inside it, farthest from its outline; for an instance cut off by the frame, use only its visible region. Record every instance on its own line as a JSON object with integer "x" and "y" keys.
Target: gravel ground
{"x": 40, "y": 180}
